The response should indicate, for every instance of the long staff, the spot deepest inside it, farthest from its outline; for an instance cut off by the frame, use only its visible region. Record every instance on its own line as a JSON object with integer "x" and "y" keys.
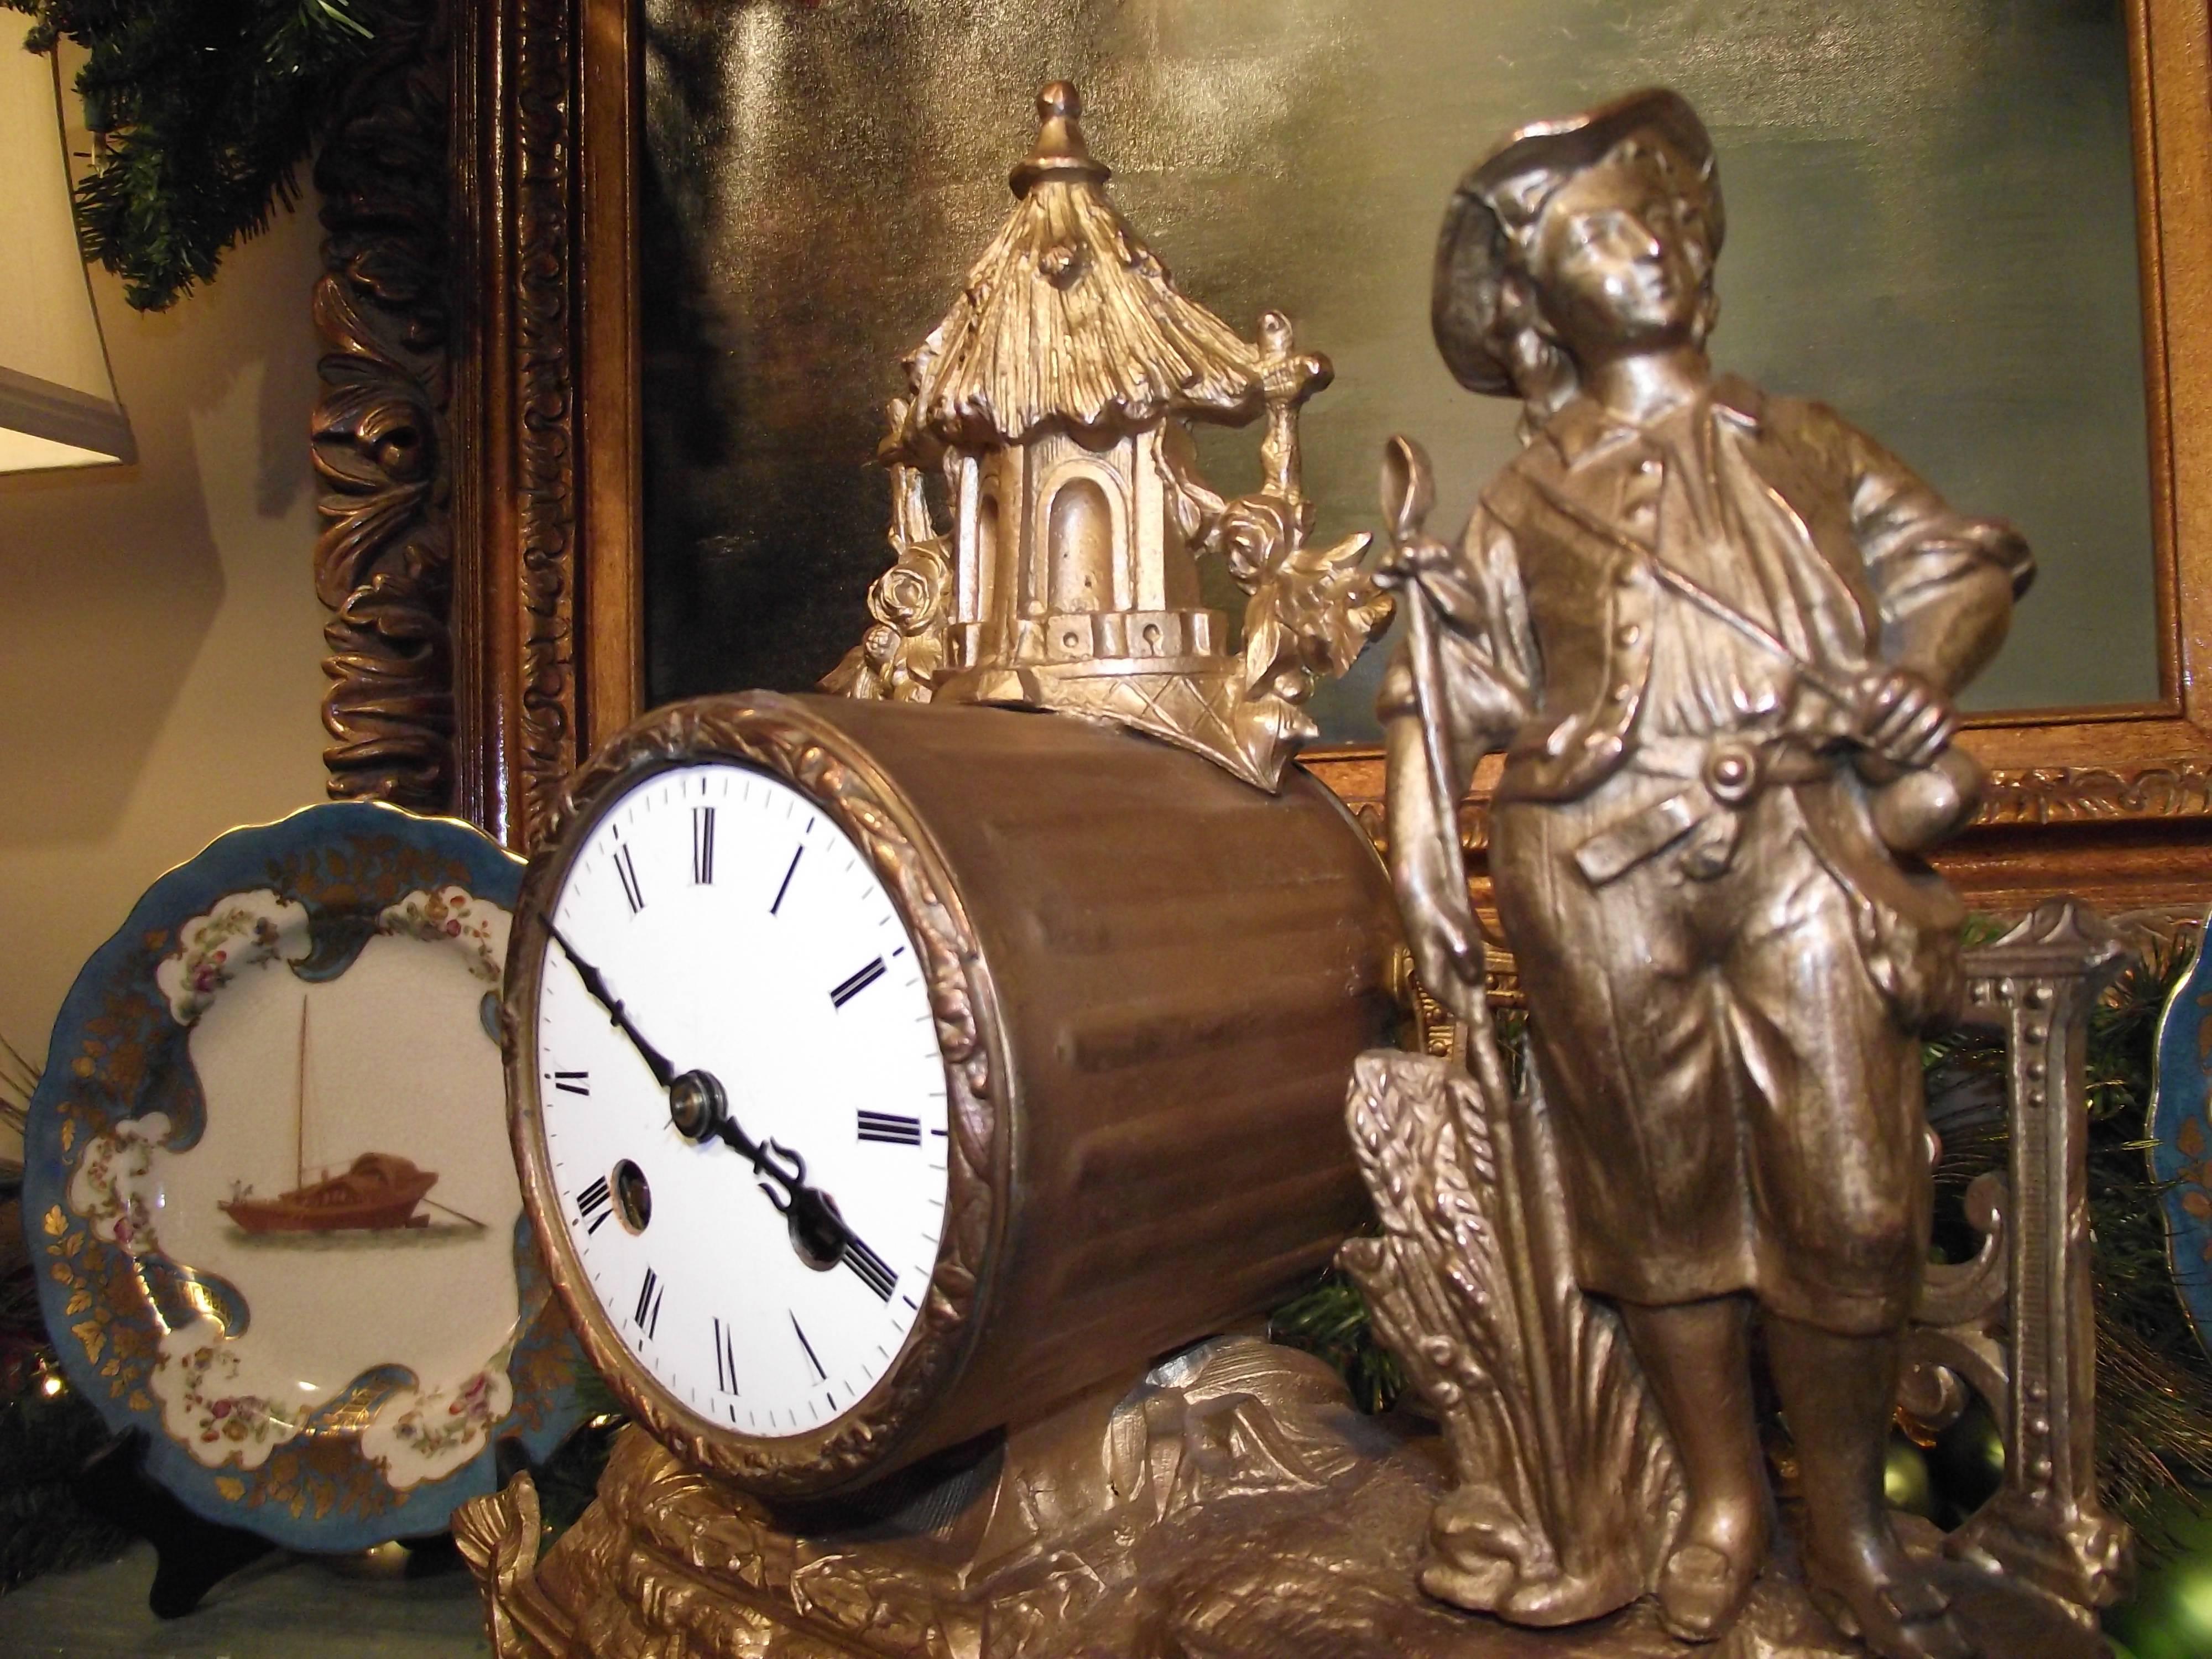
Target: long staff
{"x": 1408, "y": 493}
{"x": 1535, "y": 1254}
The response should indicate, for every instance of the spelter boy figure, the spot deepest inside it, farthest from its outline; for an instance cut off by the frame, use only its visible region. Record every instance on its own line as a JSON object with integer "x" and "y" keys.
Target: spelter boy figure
{"x": 1716, "y": 635}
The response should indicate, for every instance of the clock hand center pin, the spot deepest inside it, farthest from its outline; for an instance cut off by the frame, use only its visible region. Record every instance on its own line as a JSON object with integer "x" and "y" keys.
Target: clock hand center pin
{"x": 699, "y": 1108}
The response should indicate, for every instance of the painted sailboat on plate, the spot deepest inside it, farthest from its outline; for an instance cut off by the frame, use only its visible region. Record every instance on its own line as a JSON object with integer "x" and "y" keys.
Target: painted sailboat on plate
{"x": 380, "y": 1192}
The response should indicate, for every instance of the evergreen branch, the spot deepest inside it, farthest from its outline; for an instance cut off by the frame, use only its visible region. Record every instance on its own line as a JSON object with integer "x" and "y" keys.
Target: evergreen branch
{"x": 47, "y": 1430}
{"x": 203, "y": 110}
{"x": 18, "y": 1081}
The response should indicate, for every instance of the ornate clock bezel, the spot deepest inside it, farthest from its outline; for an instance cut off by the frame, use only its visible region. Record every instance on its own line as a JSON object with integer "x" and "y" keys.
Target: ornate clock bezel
{"x": 775, "y": 735}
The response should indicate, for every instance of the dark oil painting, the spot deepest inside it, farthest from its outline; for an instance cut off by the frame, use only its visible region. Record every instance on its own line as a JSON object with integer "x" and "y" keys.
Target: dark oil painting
{"x": 1931, "y": 226}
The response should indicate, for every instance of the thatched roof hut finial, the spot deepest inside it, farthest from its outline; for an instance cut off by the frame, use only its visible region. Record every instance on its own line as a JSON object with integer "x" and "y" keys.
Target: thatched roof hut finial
{"x": 1069, "y": 318}
{"x": 1053, "y": 397}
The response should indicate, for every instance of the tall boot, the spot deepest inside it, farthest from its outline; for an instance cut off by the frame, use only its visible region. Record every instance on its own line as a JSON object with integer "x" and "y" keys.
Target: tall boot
{"x": 1838, "y": 1393}
{"x": 1696, "y": 1358}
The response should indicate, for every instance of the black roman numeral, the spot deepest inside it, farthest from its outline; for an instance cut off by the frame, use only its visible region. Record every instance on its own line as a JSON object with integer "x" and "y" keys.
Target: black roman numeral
{"x": 859, "y": 983}
{"x": 594, "y": 1204}
{"x": 785, "y": 886}
{"x": 891, "y": 1128}
{"x": 702, "y": 845}
{"x": 627, "y": 870}
{"x": 649, "y": 1303}
{"x": 573, "y": 1083}
{"x": 869, "y": 1268}
{"x": 823, "y": 1375}
{"x": 725, "y": 1360}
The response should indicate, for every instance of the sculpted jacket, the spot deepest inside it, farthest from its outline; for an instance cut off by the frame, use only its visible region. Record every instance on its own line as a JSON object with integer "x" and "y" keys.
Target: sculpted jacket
{"x": 1644, "y": 618}
{"x": 1550, "y": 601}
{"x": 1564, "y": 647}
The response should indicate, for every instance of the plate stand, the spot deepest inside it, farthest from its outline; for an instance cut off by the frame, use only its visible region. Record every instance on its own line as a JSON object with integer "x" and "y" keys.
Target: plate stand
{"x": 193, "y": 1554}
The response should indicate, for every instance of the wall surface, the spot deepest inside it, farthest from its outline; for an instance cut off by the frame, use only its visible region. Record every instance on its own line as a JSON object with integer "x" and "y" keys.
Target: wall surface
{"x": 160, "y": 638}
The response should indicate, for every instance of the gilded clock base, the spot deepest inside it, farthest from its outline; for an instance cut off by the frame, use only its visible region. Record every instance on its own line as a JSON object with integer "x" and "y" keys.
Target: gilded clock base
{"x": 1232, "y": 1506}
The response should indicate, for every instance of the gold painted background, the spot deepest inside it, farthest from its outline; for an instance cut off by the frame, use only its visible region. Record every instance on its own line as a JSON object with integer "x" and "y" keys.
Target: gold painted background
{"x": 1931, "y": 226}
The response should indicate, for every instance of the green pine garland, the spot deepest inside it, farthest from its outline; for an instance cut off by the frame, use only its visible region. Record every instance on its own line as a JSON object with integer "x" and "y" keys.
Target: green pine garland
{"x": 47, "y": 1431}
{"x": 2154, "y": 1376}
{"x": 204, "y": 109}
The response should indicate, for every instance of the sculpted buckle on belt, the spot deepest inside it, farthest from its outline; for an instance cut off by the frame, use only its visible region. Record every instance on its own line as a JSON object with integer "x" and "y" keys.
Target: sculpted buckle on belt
{"x": 1724, "y": 775}
{"x": 1731, "y": 772}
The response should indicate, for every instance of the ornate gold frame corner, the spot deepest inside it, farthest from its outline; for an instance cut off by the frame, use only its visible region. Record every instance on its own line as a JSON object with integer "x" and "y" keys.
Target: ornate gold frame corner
{"x": 381, "y": 430}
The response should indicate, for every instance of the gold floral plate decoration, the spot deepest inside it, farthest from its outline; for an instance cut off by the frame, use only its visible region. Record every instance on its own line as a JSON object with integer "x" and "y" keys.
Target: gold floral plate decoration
{"x": 269, "y": 1187}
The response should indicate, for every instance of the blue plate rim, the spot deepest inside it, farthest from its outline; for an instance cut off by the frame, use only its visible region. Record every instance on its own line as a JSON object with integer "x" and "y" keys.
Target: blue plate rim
{"x": 179, "y": 893}
{"x": 2175, "y": 1052}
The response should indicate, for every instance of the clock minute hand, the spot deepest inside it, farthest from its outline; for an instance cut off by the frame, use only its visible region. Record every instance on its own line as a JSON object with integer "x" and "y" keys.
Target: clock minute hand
{"x": 765, "y": 1157}
{"x": 656, "y": 1062}
{"x": 815, "y": 1223}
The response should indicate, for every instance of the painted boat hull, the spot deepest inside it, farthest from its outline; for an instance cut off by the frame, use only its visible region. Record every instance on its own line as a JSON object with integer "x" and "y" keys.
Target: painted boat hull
{"x": 377, "y": 1194}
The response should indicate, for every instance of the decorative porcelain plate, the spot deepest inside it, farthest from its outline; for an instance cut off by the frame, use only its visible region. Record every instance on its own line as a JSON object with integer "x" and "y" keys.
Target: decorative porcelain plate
{"x": 269, "y": 1184}
{"x": 2181, "y": 1133}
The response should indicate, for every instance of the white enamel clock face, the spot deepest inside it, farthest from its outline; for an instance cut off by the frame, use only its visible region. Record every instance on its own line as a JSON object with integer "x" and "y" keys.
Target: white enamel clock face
{"x": 746, "y": 937}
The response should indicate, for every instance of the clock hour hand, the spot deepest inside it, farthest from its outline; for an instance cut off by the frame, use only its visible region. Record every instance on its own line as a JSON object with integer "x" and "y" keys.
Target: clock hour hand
{"x": 656, "y": 1062}
{"x": 819, "y": 1232}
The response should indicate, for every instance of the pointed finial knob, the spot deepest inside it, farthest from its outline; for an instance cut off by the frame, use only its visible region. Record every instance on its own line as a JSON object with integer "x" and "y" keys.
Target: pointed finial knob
{"x": 1060, "y": 155}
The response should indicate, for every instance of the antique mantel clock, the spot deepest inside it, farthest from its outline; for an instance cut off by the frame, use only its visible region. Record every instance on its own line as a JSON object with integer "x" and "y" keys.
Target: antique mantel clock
{"x": 900, "y": 1080}
{"x": 881, "y": 1074}
{"x": 917, "y": 1094}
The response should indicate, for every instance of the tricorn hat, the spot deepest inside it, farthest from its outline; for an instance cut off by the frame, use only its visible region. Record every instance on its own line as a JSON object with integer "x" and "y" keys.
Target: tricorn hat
{"x": 1502, "y": 194}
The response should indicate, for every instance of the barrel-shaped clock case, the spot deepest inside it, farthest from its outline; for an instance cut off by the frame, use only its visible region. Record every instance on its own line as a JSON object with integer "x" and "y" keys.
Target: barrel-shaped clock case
{"x": 1149, "y": 982}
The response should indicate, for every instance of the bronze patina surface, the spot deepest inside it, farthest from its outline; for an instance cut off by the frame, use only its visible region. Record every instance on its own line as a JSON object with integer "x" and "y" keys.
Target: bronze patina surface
{"x": 1716, "y": 636}
{"x": 1233, "y": 1506}
{"x": 1055, "y": 401}
{"x": 1148, "y": 980}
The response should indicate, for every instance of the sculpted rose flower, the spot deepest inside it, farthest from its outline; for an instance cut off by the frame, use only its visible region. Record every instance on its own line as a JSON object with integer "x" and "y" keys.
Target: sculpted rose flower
{"x": 907, "y": 598}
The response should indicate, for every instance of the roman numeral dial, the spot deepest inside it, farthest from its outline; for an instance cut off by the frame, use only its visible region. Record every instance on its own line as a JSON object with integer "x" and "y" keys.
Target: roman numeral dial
{"x": 859, "y": 982}
{"x": 891, "y": 1128}
{"x": 594, "y": 1205}
{"x": 650, "y": 1295}
{"x": 702, "y": 845}
{"x": 722, "y": 940}
{"x": 625, "y": 863}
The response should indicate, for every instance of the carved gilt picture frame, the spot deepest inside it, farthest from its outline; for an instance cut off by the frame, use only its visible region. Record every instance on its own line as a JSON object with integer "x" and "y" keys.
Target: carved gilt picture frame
{"x": 479, "y": 443}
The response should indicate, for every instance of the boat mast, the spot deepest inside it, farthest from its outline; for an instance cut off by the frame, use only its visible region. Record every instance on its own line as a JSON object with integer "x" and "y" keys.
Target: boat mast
{"x": 299, "y": 1104}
